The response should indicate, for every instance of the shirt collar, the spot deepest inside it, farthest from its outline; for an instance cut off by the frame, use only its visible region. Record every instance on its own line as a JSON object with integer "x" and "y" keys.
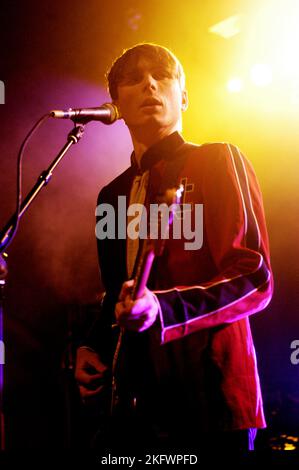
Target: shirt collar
{"x": 164, "y": 149}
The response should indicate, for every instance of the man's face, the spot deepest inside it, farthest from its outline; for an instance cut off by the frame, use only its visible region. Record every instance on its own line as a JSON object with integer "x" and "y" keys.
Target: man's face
{"x": 150, "y": 98}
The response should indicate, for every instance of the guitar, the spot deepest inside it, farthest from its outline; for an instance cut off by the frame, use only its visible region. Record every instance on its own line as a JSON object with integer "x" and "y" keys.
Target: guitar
{"x": 153, "y": 247}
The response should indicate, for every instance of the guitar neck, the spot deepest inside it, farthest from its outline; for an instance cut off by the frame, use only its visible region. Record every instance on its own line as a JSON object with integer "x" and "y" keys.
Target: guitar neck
{"x": 143, "y": 272}
{"x": 155, "y": 247}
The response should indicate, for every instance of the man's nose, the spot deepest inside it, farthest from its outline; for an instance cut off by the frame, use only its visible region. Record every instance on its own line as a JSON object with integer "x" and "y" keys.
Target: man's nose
{"x": 149, "y": 81}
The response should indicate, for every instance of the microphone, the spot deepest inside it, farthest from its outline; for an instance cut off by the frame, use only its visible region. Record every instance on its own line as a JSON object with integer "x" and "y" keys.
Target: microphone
{"x": 107, "y": 113}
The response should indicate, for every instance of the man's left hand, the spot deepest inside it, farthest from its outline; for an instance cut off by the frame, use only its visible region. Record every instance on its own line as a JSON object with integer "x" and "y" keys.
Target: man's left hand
{"x": 136, "y": 315}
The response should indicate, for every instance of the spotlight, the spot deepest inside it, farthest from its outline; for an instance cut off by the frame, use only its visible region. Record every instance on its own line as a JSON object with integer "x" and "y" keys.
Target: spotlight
{"x": 235, "y": 85}
{"x": 261, "y": 75}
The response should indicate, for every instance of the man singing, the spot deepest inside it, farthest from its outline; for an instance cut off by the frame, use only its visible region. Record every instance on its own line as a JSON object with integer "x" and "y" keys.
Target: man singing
{"x": 187, "y": 372}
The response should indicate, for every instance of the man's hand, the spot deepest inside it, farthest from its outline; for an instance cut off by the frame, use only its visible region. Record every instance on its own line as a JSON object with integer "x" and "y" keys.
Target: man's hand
{"x": 90, "y": 372}
{"x": 136, "y": 315}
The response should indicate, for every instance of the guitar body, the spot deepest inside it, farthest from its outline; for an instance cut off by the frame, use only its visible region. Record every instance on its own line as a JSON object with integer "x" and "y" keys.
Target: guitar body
{"x": 129, "y": 368}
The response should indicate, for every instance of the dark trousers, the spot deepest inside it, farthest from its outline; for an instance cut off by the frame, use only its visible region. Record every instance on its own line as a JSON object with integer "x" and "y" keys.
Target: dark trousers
{"x": 131, "y": 434}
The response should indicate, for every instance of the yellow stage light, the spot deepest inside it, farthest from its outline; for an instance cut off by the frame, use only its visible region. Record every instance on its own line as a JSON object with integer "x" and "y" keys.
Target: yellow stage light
{"x": 261, "y": 75}
{"x": 235, "y": 85}
{"x": 228, "y": 27}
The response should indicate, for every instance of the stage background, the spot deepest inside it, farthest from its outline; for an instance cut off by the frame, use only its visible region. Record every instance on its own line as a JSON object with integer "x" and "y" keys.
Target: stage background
{"x": 54, "y": 55}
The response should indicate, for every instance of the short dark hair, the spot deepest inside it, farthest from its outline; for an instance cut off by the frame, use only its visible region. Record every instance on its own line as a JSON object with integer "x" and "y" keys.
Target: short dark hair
{"x": 155, "y": 53}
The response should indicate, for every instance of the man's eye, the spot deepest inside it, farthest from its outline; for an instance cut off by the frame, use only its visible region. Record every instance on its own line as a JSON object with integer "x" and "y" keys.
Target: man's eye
{"x": 161, "y": 74}
{"x": 131, "y": 79}
{"x": 134, "y": 78}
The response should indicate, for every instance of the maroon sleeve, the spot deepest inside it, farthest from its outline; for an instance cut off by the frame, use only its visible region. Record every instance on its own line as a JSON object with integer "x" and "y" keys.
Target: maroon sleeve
{"x": 237, "y": 237}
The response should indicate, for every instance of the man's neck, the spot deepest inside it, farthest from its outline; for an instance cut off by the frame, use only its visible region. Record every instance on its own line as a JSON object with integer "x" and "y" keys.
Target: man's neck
{"x": 143, "y": 142}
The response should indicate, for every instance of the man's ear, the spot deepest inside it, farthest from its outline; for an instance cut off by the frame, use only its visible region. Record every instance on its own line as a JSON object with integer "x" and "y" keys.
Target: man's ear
{"x": 185, "y": 102}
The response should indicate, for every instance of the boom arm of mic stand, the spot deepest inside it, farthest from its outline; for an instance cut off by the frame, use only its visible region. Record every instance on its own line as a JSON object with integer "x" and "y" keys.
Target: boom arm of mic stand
{"x": 73, "y": 137}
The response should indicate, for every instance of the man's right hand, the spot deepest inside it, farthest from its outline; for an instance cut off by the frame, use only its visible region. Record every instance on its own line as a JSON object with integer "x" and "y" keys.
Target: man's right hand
{"x": 90, "y": 373}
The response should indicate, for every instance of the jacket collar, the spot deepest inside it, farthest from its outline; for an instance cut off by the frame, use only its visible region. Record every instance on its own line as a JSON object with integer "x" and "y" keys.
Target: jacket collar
{"x": 163, "y": 150}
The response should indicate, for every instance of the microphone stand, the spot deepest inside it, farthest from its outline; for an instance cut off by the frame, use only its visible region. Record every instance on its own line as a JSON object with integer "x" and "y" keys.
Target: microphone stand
{"x": 73, "y": 138}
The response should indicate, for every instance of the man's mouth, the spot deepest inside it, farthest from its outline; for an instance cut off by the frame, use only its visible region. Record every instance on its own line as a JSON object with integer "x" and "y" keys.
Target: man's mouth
{"x": 151, "y": 102}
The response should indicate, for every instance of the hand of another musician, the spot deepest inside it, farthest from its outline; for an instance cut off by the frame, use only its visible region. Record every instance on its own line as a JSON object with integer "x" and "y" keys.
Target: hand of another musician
{"x": 136, "y": 315}
{"x": 90, "y": 372}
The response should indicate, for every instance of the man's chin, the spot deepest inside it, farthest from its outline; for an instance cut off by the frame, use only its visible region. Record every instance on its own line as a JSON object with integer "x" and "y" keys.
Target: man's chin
{"x": 151, "y": 120}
